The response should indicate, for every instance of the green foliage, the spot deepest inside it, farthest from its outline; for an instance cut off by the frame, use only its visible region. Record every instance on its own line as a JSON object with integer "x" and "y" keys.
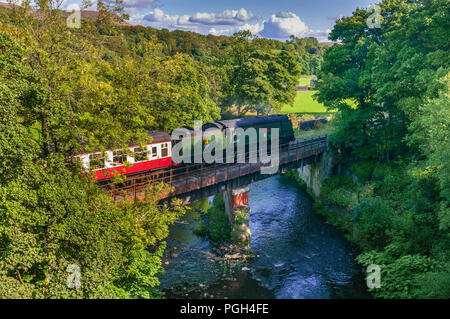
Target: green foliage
{"x": 429, "y": 132}
{"x": 241, "y": 217}
{"x": 264, "y": 81}
{"x": 340, "y": 191}
{"x": 388, "y": 72}
{"x": 363, "y": 170}
{"x": 64, "y": 91}
{"x": 56, "y": 101}
{"x": 52, "y": 218}
{"x": 399, "y": 276}
{"x": 335, "y": 216}
{"x": 394, "y": 216}
{"x": 219, "y": 228}
{"x": 432, "y": 284}
{"x": 309, "y": 54}
{"x": 373, "y": 220}
{"x": 225, "y": 61}
{"x": 394, "y": 138}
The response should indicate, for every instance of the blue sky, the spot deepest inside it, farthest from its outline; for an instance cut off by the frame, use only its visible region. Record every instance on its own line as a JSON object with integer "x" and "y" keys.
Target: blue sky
{"x": 267, "y": 18}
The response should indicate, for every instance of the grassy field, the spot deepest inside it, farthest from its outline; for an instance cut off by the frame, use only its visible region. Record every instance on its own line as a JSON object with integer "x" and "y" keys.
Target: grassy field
{"x": 305, "y": 80}
{"x": 304, "y": 103}
{"x": 325, "y": 129}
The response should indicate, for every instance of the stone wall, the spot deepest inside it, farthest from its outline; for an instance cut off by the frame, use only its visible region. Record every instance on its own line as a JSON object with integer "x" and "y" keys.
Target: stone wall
{"x": 315, "y": 174}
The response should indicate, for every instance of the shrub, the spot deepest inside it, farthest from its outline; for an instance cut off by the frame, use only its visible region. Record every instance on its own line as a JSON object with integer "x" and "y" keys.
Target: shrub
{"x": 399, "y": 276}
{"x": 434, "y": 285}
{"x": 341, "y": 191}
{"x": 363, "y": 170}
{"x": 218, "y": 224}
{"x": 373, "y": 218}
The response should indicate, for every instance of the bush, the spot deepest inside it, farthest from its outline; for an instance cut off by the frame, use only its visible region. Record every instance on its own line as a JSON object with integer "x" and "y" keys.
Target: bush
{"x": 341, "y": 191}
{"x": 337, "y": 181}
{"x": 218, "y": 224}
{"x": 434, "y": 285}
{"x": 363, "y": 170}
{"x": 399, "y": 276}
{"x": 373, "y": 218}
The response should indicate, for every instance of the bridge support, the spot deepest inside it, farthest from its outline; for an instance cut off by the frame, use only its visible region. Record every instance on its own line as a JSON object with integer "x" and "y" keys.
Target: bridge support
{"x": 238, "y": 211}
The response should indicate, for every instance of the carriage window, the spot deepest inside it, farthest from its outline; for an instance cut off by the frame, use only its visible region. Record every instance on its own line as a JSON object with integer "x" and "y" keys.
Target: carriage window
{"x": 164, "y": 150}
{"x": 140, "y": 154}
{"x": 119, "y": 157}
{"x": 154, "y": 151}
{"x": 96, "y": 161}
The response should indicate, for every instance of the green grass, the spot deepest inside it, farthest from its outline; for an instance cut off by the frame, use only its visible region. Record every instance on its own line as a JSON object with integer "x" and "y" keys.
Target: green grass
{"x": 325, "y": 129}
{"x": 304, "y": 103}
{"x": 305, "y": 80}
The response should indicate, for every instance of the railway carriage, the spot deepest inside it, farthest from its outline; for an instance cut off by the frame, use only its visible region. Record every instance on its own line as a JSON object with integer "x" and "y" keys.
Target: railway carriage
{"x": 151, "y": 156}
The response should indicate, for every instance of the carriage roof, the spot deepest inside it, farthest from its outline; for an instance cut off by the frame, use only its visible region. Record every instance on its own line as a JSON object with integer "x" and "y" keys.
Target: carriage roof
{"x": 253, "y": 121}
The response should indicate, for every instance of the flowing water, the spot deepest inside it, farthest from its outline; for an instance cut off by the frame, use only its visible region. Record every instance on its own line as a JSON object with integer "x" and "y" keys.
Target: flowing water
{"x": 297, "y": 254}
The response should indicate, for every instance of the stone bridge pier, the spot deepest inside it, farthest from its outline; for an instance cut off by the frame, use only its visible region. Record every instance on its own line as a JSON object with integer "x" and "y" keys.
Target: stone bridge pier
{"x": 238, "y": 211}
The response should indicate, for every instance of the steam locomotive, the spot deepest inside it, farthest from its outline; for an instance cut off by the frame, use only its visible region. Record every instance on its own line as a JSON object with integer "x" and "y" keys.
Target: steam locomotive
{"x": 157, "y": 155}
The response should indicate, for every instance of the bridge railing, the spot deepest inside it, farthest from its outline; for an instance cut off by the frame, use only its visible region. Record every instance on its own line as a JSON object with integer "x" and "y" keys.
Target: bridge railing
{"x": 201, "y": 174}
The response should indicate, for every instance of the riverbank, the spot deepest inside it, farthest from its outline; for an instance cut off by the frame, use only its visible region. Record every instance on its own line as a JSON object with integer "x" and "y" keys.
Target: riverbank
{"x": 368, "y": 203}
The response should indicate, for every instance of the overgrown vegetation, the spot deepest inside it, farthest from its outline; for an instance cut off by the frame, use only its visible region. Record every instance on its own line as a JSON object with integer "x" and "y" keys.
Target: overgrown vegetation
{"x": 395, "y": 140}
{"x": 321, "y": 129}
{"x": 219, "y": 229}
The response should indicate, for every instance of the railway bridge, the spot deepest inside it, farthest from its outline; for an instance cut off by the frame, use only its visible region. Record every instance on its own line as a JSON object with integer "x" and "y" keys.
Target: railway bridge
{"x": 197, "y": 181}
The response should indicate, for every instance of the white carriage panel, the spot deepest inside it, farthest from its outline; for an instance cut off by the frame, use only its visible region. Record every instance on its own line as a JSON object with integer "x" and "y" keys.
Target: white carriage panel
{"x": 130, "y": 159}
{"x": 154, "y": 151}
{"x": 169, "y": 149}
{"x": 109, "y": 159}
{"x": 85, "y": 161}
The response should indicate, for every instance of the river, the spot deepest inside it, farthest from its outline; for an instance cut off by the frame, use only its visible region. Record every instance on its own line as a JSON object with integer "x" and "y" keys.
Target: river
{"x": 297, "y": 255}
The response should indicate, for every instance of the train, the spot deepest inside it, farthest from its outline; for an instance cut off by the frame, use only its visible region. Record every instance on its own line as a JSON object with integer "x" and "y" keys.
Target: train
{"x": 157, "y": 155}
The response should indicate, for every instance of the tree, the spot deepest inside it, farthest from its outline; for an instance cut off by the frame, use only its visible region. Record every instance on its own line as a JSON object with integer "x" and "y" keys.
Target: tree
{"x": 51, "y": 216}
{"x": 264, "y": 82}
{"x": 390, "y": 88}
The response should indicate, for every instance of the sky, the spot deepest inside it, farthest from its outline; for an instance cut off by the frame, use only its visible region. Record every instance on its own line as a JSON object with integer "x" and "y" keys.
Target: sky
{"x": 275, "y": 19}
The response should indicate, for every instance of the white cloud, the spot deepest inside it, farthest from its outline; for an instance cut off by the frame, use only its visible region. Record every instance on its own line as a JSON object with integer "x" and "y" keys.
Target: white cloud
{"x": 280, "y": 26}
{"x": 254, "y": 28}
{"x": 214, "y": 31}
{"x": 321, "y": 35}
{"x": 227, "y": 17}
{"x": 284, "y": 24}
{"x": 158, "y": 18}
{"x": 212, "y": 23}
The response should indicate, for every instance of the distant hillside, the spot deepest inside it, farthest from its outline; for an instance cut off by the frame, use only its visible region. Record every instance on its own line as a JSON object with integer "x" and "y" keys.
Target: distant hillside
{"x": 205, "y": 48}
